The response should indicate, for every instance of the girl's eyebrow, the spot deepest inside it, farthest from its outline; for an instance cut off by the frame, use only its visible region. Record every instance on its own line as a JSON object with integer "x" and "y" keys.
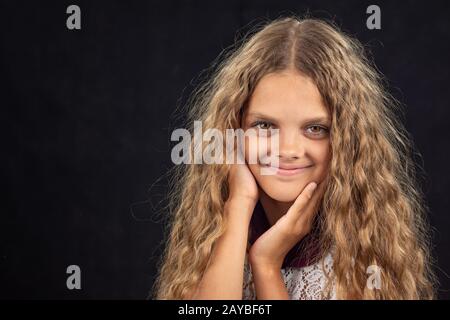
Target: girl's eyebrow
{"x": 325, "y": 119}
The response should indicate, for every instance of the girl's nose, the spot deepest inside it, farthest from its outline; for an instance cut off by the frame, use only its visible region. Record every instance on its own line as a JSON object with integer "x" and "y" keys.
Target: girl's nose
{"x": 291, "y": 146}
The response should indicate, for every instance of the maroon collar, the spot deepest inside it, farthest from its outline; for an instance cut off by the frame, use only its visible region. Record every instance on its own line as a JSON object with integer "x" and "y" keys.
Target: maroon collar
{"x": 301, "y": 255}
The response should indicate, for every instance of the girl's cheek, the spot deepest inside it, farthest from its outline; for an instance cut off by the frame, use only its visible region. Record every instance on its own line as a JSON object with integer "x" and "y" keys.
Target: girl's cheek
{"x": 251, "y": 150}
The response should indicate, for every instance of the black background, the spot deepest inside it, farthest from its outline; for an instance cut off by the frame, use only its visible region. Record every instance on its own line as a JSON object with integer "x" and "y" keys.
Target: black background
{"x": 87, "y": 116}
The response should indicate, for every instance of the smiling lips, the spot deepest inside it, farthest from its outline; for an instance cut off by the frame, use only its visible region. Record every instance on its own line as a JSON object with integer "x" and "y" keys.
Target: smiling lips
{"x": 285, "y": 170}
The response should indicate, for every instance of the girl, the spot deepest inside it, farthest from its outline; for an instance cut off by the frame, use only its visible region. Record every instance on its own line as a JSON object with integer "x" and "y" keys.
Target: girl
{"x": 343, "y": 216}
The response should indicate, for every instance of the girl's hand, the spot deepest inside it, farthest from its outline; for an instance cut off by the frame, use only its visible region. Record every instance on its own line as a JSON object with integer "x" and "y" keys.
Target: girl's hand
{"x": 242, "y": 184}
{"x": 270, "y": 249}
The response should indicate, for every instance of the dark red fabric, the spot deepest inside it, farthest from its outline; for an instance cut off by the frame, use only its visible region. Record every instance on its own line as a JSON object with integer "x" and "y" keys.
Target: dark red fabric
{"x": 299, "y": 256}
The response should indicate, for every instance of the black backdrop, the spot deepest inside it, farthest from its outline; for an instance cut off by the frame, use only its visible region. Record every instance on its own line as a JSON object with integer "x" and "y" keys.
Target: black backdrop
{"x": 87, "y": 116}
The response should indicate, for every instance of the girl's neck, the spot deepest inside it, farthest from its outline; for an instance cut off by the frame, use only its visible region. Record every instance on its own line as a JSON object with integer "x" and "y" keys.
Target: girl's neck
{"x": 273, "y": 209}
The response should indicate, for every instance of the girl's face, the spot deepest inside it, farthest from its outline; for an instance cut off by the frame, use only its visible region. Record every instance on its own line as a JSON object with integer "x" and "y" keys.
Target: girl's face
{"x": 290, "y": 102}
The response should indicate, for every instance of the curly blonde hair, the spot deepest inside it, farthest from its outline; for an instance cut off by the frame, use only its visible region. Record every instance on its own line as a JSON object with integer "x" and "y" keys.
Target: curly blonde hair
{"x": 373, "y": 212}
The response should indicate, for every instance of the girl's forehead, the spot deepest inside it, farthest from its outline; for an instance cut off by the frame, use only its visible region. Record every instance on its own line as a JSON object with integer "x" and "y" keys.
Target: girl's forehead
{"x": 280, "y": 97}
{"x": 286, "y": 113}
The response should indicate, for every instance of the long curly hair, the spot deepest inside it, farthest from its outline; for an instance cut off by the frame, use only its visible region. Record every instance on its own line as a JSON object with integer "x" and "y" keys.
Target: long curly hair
{"x": 373, "y": 212}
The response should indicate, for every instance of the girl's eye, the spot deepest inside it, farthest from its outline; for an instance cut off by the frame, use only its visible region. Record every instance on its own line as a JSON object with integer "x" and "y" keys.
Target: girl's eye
{"x": 318, "y": 129}
{"x": 262, "y": 125}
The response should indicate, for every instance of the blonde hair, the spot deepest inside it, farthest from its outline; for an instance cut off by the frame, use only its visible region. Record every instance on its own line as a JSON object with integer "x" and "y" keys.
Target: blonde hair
{"x": 373, "y": 212}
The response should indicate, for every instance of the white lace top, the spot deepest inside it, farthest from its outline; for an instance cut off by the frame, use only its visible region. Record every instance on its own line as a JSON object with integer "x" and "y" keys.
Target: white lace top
{"x": 305, "y": 283}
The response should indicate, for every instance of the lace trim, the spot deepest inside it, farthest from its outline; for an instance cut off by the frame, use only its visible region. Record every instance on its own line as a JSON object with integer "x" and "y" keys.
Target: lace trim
{"x": 307, "y": 283}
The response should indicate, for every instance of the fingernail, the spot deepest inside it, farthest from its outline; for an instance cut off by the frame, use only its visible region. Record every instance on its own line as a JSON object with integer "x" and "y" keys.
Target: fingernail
{"x": 313, "y": 186}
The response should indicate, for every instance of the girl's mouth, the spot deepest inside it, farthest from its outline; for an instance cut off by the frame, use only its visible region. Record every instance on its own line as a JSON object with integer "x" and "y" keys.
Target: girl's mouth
{"x": 286, "y": 170}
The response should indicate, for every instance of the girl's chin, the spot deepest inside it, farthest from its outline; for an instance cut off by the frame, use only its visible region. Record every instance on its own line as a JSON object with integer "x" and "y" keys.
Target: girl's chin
{"x": 284, "y": 196}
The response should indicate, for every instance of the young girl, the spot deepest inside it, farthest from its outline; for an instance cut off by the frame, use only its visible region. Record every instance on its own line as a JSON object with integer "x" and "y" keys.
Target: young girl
{"x": 342, "y": 218}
